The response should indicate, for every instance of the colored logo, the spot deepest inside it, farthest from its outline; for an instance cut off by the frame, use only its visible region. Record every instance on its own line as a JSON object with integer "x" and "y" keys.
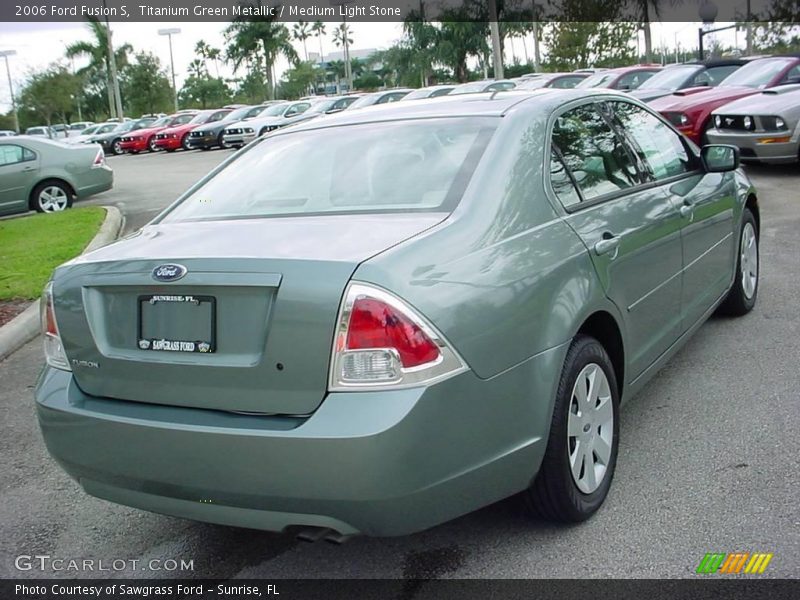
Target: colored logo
{"x": 168, "y": 272}
{"x": 734, "y": 563}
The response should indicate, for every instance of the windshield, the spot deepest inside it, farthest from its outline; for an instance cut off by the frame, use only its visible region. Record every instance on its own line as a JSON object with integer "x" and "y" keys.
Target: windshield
{"x": 106, "y": 128}
{"x": 597, "y": 80}
{"x": 469, "y": 88}
{"x": 321, "y": 107}
{"x": 238, "y": 114}
{"x": 757, "y": 74}
{"x": 671, "y": 78}
{"x": 162, "y": 122}
{"x": 420, "y": 93}
{"x": 367, "y": 100}
{"x": 405, "y": 166}
{"x": 123, "y": 127}
{"x": 90, "y": 129}
{"x": 276, "y": 110}
{"x": 201, "y": 117}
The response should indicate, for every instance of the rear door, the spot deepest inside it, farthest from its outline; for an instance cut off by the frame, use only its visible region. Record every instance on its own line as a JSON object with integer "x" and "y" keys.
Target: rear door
{"x": 630, "y": 228}
{"x": 18, "y": 168}
{"x": 706, "y": 202}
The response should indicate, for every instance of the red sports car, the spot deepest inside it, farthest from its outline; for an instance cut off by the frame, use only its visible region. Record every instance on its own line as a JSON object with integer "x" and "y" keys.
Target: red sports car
{"x": 145, "y": 139}
{"x": 172, "y": 138}
{"x": 690, "y": 109}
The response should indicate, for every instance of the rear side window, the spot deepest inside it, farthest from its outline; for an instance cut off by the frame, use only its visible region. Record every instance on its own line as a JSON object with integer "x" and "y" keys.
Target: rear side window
{"x": 11, "y": 154}
{"x": 409, "y": 166}
{"x": 597, "y": 157}
{"x": 562, "y": 183}
{"x": 657, "y": 145}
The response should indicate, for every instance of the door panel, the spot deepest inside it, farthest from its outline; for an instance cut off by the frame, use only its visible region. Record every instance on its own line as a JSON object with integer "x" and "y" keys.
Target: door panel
{"x": 643, "y": 275}
{"x": 632, "y": 231}
{"x": 708, "y": 202}
{"x": 18, "y": 168}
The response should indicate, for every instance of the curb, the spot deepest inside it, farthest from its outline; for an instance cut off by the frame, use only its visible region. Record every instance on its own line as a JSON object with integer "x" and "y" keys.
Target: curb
{"x": 25, "y": 326}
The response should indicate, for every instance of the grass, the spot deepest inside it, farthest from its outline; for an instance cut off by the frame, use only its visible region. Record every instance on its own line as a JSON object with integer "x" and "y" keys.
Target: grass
{"x": 31, "y": 247}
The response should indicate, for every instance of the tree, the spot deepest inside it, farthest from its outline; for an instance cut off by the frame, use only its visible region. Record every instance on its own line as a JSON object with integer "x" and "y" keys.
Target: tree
{"x": 341, "y": 35}
{"x": 146, "y": 85}
{"x": 204, "y": 92}
{"x": 319, "y": 30}
{"x": 250, "y": 36}
{"x": 298, "y": 79}
{"x": 580, "y": 44}
{"x": 301, "y": 31}
{"x": 51, "y": 93}
{"x": 97, "y": 72}
{"x": 460, "y": 39}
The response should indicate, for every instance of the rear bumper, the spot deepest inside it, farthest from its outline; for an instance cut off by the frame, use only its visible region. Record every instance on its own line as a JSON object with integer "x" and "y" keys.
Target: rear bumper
{"x": 755, "y": 147}
{"x": 386, "y": 463}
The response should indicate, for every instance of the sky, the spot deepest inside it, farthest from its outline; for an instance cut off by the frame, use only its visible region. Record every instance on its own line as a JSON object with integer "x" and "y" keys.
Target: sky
{"x": 39, "y": 44}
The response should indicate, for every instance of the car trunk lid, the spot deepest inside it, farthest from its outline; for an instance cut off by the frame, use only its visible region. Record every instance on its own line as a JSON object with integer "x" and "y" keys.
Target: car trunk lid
{"x": 262, "y": 294}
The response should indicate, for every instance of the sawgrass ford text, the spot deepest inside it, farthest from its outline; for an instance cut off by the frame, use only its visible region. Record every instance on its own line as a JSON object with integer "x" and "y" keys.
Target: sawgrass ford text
{"x": 200, "y": 10}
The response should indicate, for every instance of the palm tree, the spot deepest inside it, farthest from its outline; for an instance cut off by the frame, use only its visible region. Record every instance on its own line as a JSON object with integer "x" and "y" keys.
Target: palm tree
{"x": 319, "y": 30}
{"x": 301, "y": 32}
{"x": 96, "y": 50}
{"x": 197, "y": 68}
{"x": 215, "y": 54}
{"x": 341, "y": 35}
{"x": 263, "y": 35}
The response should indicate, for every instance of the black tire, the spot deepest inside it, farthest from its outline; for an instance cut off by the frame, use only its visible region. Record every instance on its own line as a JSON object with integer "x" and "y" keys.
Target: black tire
{"x": 151, "y": 144}
{"x": 116, "y": 147}
{"x": 205, "y": 148}
{"x": 221, "y": 141}
{"x": 36, "y": 201}
{"x": 185, "y": 142}
{"x": 170, "y": 149}
{"x": 737, "y": 302}
{"x": 554, "y": 494}
{"x": 263, "y": 131}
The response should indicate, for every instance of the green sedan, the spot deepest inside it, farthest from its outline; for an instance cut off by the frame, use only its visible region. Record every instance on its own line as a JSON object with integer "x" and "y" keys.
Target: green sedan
{"x": 378, "y": 321}
{"x": 46, "y": 176}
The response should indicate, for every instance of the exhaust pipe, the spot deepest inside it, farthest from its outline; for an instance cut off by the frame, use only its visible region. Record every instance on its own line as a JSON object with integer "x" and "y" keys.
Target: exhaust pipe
{"x": 337, "y": 538}
{"x": 313, "y": 534}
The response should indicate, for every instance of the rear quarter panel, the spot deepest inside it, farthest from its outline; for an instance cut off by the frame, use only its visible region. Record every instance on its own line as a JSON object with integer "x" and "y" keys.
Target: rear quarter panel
{"x": 504, "y": 278}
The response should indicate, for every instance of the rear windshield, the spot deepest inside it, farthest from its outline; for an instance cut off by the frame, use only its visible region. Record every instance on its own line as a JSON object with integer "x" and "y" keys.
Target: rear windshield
{"x": 402, "y": 166}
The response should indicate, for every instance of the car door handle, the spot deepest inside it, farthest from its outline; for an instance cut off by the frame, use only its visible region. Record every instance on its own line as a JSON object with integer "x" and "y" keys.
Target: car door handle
{"x": 29, "y": 169}
{"x": 606, "y": 245}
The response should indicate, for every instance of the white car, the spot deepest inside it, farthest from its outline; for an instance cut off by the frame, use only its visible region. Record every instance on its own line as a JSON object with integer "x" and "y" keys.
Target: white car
{"x": 86, "y": 136}
{"x": 78, "y": 128}
{"x": 272, "y": 117}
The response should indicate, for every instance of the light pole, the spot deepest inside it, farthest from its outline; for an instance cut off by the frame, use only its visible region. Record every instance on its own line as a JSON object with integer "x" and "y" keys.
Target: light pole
{"x": 5, "y": 54}
{"x": 169, "y": 33}
{"x": 536, "y": 58}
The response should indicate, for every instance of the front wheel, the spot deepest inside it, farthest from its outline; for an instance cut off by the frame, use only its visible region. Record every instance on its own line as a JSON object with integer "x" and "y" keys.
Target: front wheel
{"x": 222, "y": 143}
{"x": 742, "y": 297}
{"x": 116, "y": 147}
{"x": 185, "y": 142}
{"x": 581, "y": 454}
{"x": 151, "y": 144}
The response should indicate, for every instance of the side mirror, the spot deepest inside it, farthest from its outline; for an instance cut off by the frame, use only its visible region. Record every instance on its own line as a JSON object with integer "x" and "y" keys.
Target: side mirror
{"x": 624, "y": 87}
{"x": 720, "y": 158}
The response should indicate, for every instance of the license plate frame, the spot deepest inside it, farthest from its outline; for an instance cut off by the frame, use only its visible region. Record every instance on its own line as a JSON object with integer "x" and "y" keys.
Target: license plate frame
{"x": 182, "y": 346}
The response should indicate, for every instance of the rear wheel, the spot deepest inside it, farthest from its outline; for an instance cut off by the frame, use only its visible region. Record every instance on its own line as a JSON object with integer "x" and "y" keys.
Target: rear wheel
{"x": 742, "y": 297}
{"x": 51, "y": 196}
{"x": 581, "y": 454}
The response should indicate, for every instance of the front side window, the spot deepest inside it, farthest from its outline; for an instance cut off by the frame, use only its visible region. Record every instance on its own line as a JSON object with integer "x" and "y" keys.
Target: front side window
{"x": 631, "y": 81}
{"x": 657, "y": 145}
{"x": 597, "y": 157}
{"x": 388, "y": 167}
{"x": 713, "y": 76}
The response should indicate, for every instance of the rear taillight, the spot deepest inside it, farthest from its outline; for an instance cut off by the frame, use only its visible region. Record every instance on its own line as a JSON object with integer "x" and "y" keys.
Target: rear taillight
{"x": 53, "y": 349}
{"x": 100, "y": 159}
{"x": 382, "y": 342}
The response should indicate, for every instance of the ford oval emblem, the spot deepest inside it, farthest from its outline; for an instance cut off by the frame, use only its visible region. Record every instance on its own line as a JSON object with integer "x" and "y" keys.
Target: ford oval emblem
{"x": 169, "y": 272}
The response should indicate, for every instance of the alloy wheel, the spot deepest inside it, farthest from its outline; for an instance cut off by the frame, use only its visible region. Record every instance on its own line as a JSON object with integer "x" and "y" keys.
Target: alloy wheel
{"x": 590, "y": 428}
{"x": 749, "y": 260}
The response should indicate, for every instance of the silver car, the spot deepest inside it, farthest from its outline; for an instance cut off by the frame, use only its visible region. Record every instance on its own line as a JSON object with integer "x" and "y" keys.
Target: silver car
{"x": 244, "y": 132}
{"x": 46, "y": 176}
{"x": 765, "y": 127}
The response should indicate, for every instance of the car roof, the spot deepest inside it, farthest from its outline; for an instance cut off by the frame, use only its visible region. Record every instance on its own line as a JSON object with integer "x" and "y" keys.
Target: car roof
{"x": 488, "y": 104}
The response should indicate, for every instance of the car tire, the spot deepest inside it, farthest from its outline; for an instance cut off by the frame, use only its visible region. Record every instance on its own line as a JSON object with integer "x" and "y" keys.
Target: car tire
{"x": 151, "y": 144}
{"x": 743, "y": 294}
{"x": 51, "y": 196}
{"x": 222, "y": 143}
{"x": 170, "y": 149}
{"x": 584, "y": 432}
{"x": 185, "y": 142}
{"x": 116, "y": 147}
{"x": 263, "y": 131}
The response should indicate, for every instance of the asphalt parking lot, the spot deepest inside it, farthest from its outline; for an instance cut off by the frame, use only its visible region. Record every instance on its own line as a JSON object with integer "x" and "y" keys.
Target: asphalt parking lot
{"x": 709, "y": 456}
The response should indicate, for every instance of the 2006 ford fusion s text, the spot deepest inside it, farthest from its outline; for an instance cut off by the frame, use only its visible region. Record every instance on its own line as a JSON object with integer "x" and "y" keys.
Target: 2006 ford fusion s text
{"x": 380, "y": 320}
